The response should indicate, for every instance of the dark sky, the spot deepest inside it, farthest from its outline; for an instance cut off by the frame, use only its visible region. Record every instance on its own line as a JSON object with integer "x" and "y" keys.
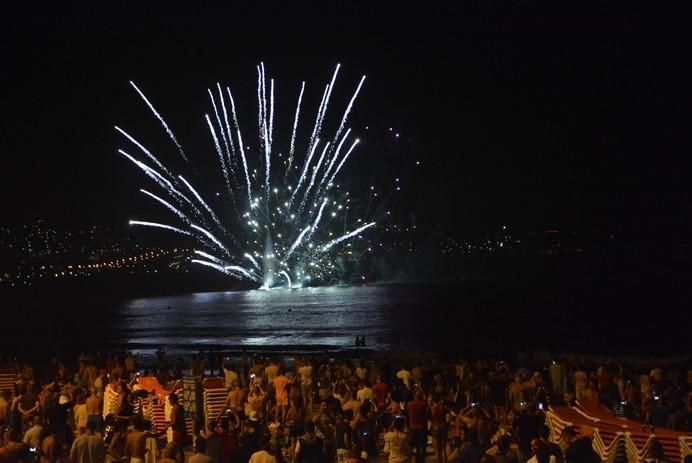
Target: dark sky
{"x": 536, "y": 114}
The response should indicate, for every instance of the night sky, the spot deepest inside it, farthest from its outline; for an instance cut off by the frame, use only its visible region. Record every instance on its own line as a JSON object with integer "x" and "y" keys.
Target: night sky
{"x": 534, "y": 114}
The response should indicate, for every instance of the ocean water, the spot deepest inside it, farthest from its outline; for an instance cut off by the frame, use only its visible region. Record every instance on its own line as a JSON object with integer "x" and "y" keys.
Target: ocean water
{"x": 459, "y": 318}
{"x": 306, "y": 319}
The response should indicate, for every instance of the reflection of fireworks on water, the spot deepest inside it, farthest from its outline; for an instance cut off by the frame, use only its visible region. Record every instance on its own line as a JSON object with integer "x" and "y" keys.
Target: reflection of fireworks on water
{"x": 289, "y": 222}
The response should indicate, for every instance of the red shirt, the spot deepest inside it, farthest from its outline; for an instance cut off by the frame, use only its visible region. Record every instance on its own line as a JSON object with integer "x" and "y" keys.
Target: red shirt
{"x": 380, "y": 390}
{"x": 417, "y": 414}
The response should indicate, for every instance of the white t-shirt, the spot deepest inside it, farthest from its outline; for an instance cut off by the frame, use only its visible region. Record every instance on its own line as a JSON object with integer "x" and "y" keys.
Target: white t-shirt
{"x": 405, "y": 376}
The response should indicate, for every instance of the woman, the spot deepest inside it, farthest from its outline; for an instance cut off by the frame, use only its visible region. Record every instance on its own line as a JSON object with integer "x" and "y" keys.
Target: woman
{"x": 397, "y": 442}
{"x": 80, "y": 414}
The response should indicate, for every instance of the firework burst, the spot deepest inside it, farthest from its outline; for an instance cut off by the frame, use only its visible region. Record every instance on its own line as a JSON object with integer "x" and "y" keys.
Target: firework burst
{"x": 288, "y": 222}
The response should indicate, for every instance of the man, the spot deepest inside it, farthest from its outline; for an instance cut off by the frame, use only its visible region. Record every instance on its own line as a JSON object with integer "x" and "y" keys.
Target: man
{"x": 177, "y": 421}
{"x": 417, "y": 423}
{"x": 136, "y": 441}
{"x": 263, "y": 455}
{"x": 380, "y": 391}
{"x": 305, "y": 372}
{"x": 200, "y": 455}
{"x": 89, "y": 448}
{"x": 28, "y": 404}
{"x": 365, "y": 392}
{"x": 551, "y": 448}
{"x": 94, "y": 407}
{"x": 310, "y": 448}
{"x": 31, "y": 436}
{"x": 229, "y": 375}
{"x": 270, "y": 372}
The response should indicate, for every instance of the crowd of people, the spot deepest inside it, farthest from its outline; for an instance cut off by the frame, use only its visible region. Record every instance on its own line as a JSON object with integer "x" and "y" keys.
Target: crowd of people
{"x": 330, "y": 410}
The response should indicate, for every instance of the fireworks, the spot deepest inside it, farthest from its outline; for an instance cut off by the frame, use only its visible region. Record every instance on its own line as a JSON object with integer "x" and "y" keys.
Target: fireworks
{"x": 281, "y": 223}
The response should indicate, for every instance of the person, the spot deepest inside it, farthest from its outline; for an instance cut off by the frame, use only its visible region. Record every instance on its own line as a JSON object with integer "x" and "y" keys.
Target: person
{"x": 88, "y": 448}
{"x": 581, "y": 451}
{"x": 416, "y": 411}
{"x": 397, "y": 443}
{"x": 470, "y": 451}
{"x": 306, "y": 392}
{"x": 94, "y": 407}
{"x": 13, "y": 450}
{"x": 364, "y": 428}
{"x": 438, "y": 415}
{"x": 655, "y": 453}
{"x": 263, "y": 455}
{"x": 342, "y": 437}
{"x": 200, "y": 455}
{"x": 116, "y": 446}
{"x": 281, "y": 384}
{"x": 28, "y": 405}
{"x": 136, "y": 441}
{"x": 310, "y": 448}
{"x": 550, "y": 448}
{"x": 31, "y": 436}
{"x": 177, "y": 421}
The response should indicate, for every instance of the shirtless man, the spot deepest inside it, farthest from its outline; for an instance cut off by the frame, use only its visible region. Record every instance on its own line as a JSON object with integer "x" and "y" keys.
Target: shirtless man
{"x": 94, "y": 406}
{"x": 136, "y": 442}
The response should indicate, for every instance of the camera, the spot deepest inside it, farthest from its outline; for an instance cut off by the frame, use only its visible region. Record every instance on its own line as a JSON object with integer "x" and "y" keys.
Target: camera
{"x": 540, "y": 406}
{"x": 474, "y": 404}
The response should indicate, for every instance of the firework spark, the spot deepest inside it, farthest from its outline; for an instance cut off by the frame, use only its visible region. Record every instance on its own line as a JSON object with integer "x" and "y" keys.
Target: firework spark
{"x": 276, "y": 234}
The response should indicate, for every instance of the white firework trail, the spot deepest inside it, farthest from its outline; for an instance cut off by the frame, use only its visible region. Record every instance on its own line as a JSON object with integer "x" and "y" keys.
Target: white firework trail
{"x": 313, "y": 228}
{"x": 288, "y": 278}
{"x": 314, "y": 138}
{"x": 218, "y": 151}
{"x": 158, "y": 178}
{"x": 158, "y": 225}
{"x": 343, "y": 161}
{"x": 332, "y": 161}
{"x": 209, "y": 256}
{"x": 241, "y": 270}
{"x": 252, "y": 259}
{"x": 302, "y": 174}
{"x": 295, "y": 126}
{"x": 211, "y": 237}
{"x": 218, "y": 121}
{"x": 271, "y": 116}
{"x": 348, "y": 109}
{"x": 144, "y": 150}
{"x": 209, "y": 264}
{"x": 338, "y": 240}
{"x": 167, "y": 204}
{"x": 295, "y": 243}
{"x": 202, "y": 202}
{"x": 314, "y": 175}
{"x": 228, "y": 126}
{"x": 158, "y": 116}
